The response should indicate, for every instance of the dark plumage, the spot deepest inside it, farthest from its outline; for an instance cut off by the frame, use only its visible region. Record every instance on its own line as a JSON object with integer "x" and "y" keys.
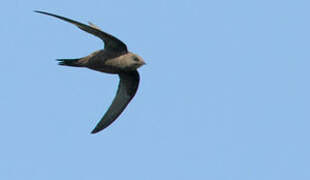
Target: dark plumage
{"x": 114, "y": 59}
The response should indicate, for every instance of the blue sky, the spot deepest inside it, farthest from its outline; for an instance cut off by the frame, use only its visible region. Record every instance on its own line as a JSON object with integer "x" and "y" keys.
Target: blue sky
{"x": 224, "y": 94}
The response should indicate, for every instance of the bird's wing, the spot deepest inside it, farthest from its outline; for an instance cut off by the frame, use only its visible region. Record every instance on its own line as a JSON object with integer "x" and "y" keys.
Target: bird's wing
{"x": 94, "y": 26}
{"x": 111, "y": 43}
{"x": 127, "y": 89}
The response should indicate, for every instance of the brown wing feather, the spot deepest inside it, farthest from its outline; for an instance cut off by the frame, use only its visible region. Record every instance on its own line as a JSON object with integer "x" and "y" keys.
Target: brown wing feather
{"x": 111, "y": 43}
{"x": 127, "y": 88}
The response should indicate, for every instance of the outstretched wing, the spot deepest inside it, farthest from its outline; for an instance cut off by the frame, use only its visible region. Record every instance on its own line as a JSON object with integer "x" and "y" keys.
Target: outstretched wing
{"x": 93, "y": 25}
{"x": 127, "y": 88}
{"x": 111, "y": 43}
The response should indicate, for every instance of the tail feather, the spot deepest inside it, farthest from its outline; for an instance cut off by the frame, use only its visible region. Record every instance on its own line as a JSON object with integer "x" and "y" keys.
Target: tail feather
{"x": 69, "y": 62}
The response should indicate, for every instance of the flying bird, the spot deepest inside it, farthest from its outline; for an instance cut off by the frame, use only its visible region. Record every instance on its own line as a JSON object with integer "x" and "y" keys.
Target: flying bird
{"x": 113, "y": 59}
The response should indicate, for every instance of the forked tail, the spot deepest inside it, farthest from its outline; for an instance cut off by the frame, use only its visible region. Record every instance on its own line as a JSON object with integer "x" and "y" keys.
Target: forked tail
{"x": 70, "y": 62}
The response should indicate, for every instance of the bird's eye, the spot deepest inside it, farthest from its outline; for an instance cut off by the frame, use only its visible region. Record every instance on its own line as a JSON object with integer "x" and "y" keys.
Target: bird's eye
{"x": 135, "y": 59}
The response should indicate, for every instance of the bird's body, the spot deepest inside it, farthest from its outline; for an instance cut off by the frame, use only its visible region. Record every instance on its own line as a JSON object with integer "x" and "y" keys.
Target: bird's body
{"x": 113, "y": 59}
{"x": 103, "y": 62}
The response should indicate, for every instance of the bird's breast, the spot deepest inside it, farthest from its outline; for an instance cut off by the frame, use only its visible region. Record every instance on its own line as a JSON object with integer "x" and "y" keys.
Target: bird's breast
{"x": 110, "y": 65}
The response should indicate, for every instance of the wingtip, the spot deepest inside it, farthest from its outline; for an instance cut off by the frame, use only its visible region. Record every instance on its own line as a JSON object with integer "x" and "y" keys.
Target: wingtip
{"x": 37, "y": 11}
{"x": 97, "y": 129}
{"x": 43, "y": 12}
{"x": 94, "y": 131}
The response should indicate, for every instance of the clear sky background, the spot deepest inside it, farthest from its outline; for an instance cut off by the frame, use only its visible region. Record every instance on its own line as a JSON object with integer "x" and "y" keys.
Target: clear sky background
{"x": 224, "y": 94}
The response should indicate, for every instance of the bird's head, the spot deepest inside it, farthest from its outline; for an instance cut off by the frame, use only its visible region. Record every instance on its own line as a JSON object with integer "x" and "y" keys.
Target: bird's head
{"x": 129, "y": 62}
{"x": 136, "y": 61}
